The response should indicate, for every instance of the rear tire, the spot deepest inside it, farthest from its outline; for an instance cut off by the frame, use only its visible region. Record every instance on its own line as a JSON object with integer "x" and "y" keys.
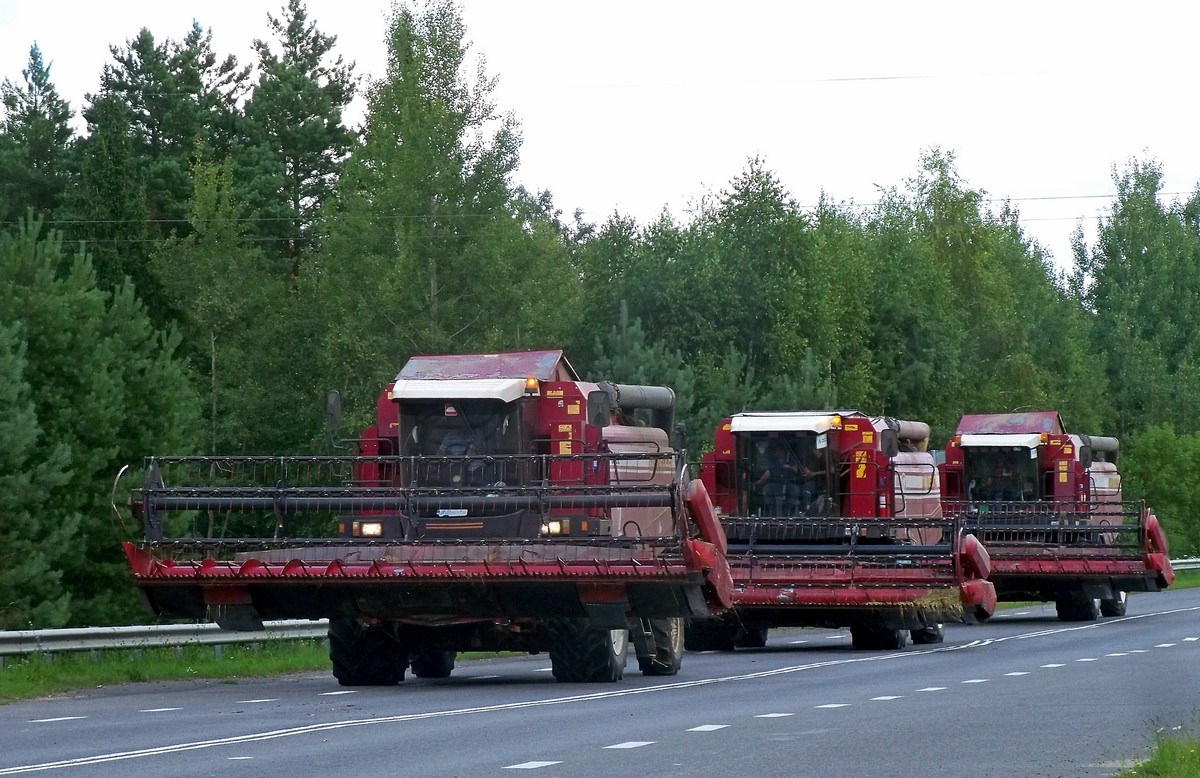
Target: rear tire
{"x": 1076, "y": 607}
{"x": 1116, "y": 606}
{"x": 433, "y": 663}
{"x": 876, "y": 637}
{"x": 364, "y": 655}
{"x": 749, "y": 636}
{"x": 581, "y": 654}
{"x": 928, "y": 635}
{"x": 709, "y": 635}
{"x": 668, "y": 648}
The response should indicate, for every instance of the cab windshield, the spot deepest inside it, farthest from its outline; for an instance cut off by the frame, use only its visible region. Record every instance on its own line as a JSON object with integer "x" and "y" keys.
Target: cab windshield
{"x": 1000, "y": 474}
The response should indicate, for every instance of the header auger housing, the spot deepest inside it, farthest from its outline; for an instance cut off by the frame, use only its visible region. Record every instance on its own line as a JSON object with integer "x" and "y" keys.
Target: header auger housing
{"x": 497, "y": 503}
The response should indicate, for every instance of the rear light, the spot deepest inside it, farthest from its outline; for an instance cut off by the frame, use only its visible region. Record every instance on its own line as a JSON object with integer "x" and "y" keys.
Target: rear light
{"x": 367, "y": 529}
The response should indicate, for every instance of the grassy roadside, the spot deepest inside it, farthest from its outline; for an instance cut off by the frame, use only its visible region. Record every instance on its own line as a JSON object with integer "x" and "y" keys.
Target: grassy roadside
{"x": 1173, "y": 756}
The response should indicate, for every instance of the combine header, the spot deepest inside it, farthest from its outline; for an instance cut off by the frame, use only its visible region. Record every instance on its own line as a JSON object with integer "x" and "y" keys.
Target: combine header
{"x": 497, "y": 503}
{"x": 829, "y": 523}
{"x": 1048, "y": 504}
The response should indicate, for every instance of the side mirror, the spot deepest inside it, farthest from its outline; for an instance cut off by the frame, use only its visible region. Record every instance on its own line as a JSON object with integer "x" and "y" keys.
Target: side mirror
{"x": 599, "y": 408}
{"x": 1085, "y": 456}
{"x": 889, "y": 443}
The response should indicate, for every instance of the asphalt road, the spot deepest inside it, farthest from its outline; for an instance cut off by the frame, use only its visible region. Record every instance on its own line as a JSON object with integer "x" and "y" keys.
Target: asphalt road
{"x": 1025, "y": 695}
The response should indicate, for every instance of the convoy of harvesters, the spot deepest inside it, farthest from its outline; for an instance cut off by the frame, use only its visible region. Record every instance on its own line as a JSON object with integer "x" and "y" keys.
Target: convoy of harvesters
{"x": 500, "y": 503}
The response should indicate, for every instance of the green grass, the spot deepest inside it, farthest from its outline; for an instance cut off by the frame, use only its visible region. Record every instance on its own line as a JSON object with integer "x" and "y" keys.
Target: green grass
{"x": 1173, "y": 757}
{"x": 41, "y": 675}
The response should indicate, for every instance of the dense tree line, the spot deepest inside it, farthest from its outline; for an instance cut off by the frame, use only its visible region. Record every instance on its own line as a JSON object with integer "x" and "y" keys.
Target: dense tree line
{"x": 218, "y": 249}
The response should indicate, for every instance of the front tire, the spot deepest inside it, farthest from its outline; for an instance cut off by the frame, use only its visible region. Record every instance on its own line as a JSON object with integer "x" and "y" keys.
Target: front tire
{"x": 668, "y": 648}
{"x": 364, "y": 655}
{"x": 582, "y": 654}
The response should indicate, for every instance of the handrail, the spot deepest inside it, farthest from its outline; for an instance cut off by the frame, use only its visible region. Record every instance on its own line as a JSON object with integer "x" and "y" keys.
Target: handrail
{"x": 46, "y": 641}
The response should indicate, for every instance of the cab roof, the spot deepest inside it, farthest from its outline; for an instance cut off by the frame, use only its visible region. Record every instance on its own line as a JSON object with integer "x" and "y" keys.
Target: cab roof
{"x": 1030, "y": 423}
{"x": 542, "y": 365}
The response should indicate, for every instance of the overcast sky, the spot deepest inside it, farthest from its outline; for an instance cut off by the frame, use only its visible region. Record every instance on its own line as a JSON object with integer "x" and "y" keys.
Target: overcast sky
{"x": 637, "y": 106}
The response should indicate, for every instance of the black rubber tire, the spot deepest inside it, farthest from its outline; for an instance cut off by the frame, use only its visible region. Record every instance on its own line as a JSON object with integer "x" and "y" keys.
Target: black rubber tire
{"x": 364, "y": 656}
{"x": 1116, "y": 606}
{"x": 928, "y": 635}
{"x": 433, "y": 664}
{"x": 750, "y": 636}
{"x": 668, "y": 645}
{"x": 1076, "y": 607}
{"x": 709, "y": 635}
{"x": 876, "y": 637}
{"x": 581, "y": 654}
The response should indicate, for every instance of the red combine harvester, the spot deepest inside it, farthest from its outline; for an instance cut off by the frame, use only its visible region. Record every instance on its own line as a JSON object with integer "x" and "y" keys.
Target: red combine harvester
{"x": 498, "y": 503}
{"x": 1048, "y": 505}
{"x": 829, "y": 523}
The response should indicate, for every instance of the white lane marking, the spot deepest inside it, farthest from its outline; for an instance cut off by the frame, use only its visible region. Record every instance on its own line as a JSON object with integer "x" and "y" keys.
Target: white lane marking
{"x": 1139, "y": 651}
{"x": 833, "y": 705}
{"x": 252, "y": 702}
{"x": 887, "y": 697}
{"x": 978, "y": 680}
{"x": 708, "y": 728}
{"x": 1054, "y": 664}
{"x": 1190, "y": 640}
{"x": 834, "y": 637}
{"x": 57, "y": 718}
{"x": 1088, "y": 659}
{"x": 773, "y": 715}
{"x": 158, "y": 710}
{"x": 1021, "y": 613}
{"x": 544, "y": 670}
{"x": 239, "y": 758}
{"x": 893, "y": 656}
{"x": 933, "y": 689}
{"x": 1118, "y": 653}
{"x": 1164, "y": 645}
{"x": 529, "y": 765}
{"x": 483, "y": 677}
{"x": 1019, "y": 672}
{"x": 632, "y": 744}
{"x": 796, "y": 642}
{"x": 335, "y": 694}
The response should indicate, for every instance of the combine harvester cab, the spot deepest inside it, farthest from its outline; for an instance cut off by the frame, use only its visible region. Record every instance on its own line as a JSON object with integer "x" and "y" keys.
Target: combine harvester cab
{"x": 830, "y": 523}
{"x": 498, "y": 503}
{"x": 1048, "y": 504}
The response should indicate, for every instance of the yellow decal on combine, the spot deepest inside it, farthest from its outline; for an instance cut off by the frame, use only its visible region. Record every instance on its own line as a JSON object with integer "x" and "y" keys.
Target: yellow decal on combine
{"x": 554, "y": 392}
{"x": 1067, "y": 449}
{"x": 860, "y": 456}
{"x": 868, "y": 437}
{"x": 567, "y": 428}
{"x": 565, "y": 447}
{"x": 860, "y": 471}
{"x": 728, "y": 426}
{"x": 1062, "y": 478}
{"x": 728, "y": 452}
{"x": 851, "y": 428}
{"x": 573, "y": 409}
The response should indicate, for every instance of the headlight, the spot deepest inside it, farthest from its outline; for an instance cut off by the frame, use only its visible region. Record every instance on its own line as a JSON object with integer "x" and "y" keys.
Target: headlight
{"x": 368, "y": 529}
{"x": 556, "y": 527}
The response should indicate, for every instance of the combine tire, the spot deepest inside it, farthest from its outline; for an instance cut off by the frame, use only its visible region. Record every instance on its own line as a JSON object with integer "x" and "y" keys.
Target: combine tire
{"x": 668, "y": 648}
{"x": 874, "y": 637}
{"x": 750, "y": 637}
{"x": 433, "y": 664}
{"x": 709, "y": 635}
{"x": 928, "y": 635}
{"x": 1076, "y": 607}
{"x": 364, "y": 656}
{"x": 581, "y": 654}
{"x": 1116, "y": 606}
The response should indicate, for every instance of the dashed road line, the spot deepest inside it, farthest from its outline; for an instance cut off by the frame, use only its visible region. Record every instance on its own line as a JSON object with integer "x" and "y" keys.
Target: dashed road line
{"x": 886, "y": 697}
{"x": 1164, "y": 645}
{"x": 708, "y": 728}
{"x": 255, "y": 702}
{"x": 56, "y": 718}
{"x": 1053, "y": 665}
{"x": 933, "y": 689}
{"x": 1118, "y": 653}
{"x": 1088, "y": 659}
{"x": 832, "y": 705}
{"x": 1017, "y": 673}
{"x": 529, "y": 765}
{"x": 773, "y": 715}
{"x": 158, "y": 710}
{"x": 977, "y": 680}
{"x": 632, "y": 744}
{"x": 338, "y": 693}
